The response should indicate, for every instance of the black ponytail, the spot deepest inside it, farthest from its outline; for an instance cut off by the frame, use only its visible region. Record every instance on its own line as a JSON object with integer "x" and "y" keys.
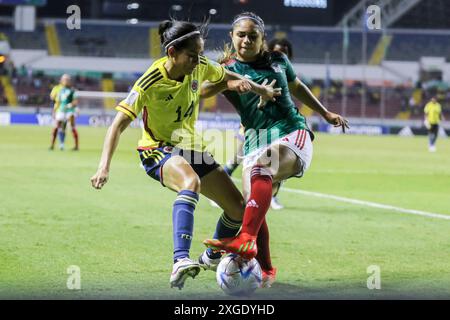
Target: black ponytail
{"x": 170, "y": 30}
{"x": 163, "y": 26}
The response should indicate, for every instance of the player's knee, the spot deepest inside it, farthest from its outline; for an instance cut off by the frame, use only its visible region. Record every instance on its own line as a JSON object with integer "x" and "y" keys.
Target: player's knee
{"x": 192, "y": 183}
{"x": 270, "y": 159}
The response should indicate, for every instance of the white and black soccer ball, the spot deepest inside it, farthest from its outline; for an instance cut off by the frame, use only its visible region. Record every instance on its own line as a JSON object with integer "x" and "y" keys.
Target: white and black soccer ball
{"x": 237, "y": 276}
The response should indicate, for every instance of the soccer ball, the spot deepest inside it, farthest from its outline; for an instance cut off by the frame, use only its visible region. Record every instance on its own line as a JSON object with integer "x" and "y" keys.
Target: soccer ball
{"x": 237, "y": 276}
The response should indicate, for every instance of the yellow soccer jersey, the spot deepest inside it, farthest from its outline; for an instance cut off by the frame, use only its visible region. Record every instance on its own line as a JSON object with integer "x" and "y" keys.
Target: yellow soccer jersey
{"x": 433, "y": 112}
{"x": 54, "y": 95}
{"x": 169, "y": 107}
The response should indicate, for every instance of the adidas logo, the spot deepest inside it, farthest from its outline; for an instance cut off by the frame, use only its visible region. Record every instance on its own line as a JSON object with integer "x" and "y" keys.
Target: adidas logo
{"x": 252, "y": 203}
{"x": 168, "y": 98}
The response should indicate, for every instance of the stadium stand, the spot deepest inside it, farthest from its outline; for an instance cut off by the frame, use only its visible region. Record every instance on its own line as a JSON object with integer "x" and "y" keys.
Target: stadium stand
{"x": 25, "y": 40}
{"x": 105, "y": 41}
{"x": 101, "y": 39}
{"x": 310, "y": 44}
{"x": 409, "y": 46}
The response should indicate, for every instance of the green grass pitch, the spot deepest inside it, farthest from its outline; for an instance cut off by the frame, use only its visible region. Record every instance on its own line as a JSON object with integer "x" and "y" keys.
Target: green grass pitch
{"x": 120, "y": 237}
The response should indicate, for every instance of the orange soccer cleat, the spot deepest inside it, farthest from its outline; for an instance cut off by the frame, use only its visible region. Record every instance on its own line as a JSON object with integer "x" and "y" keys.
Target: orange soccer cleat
{"x": 243, "y": 245}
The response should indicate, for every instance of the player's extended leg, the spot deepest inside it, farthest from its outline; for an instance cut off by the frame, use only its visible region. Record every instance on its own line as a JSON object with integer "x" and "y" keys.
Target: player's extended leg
{"x": 282, "y": 165}
{"x": 179, "y": 176}
{"x": 263, "y": 239}
{"x": 263, "y": 256}
{"x": 218, "y": 187}
{"x": 74, "y": 132}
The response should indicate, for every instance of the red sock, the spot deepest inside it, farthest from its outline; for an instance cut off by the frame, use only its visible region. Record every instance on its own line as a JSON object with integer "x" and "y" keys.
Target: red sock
{"x": 75, "y": 136}
{"x": 259, "y": 201}
{"x": 262, "y": 242}
{"x": 54, "y": 133}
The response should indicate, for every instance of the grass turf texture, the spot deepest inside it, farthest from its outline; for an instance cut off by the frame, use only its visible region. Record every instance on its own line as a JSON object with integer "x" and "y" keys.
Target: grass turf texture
{"x": 121, "y": 236}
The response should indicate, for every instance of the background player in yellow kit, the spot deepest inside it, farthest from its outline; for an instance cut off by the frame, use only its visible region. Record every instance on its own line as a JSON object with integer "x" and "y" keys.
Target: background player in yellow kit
{"x": 433, "y": 117}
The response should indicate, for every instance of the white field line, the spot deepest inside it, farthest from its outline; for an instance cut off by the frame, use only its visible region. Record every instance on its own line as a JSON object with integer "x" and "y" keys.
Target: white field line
{"x": 370, "y": 204}
{"x": 367, "y": 203}
{"x": 375, "y": 172}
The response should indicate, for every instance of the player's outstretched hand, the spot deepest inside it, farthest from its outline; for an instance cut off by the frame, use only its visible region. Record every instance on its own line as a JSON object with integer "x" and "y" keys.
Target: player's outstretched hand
{"x": 337, "y": 120}
{"x": 99, "y": 179}
{"x": 240, "y": 86}
{"x": 270, "y": 94}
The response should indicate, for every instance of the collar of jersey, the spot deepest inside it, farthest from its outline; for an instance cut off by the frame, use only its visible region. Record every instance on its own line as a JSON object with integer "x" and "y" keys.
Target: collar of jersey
{"x": 164, "y": 72}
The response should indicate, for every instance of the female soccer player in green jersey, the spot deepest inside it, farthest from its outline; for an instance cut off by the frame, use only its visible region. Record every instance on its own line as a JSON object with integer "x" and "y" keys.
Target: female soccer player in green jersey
{"x": 278, "y": 142}
{"x": 171, "y": 151}
{"x": 64, "y": 110}
{"x": 281, "y": 45}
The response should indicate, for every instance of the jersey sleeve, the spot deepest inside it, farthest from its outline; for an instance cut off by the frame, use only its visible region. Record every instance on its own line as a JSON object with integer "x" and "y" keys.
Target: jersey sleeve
{"x": 132, "y": 105}
{"x": 214, "y": 72}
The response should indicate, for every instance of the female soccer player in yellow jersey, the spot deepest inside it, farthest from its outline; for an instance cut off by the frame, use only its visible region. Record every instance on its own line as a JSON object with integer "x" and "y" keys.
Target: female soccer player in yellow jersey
{"x": 170, "y": 150}
{"x": 278, "y": 142}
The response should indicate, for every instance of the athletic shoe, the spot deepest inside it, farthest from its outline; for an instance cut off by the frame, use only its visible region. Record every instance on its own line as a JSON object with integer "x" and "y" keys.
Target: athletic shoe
{"x": 432, "y": 149}
{"x": 183, "y": 269}
{"x": 61, "y": 147}
{"x": 75, "y": 149}
{"x": 243, "y": 245}
{"x": 275, "y": 204}
{"x": 268, "y": 277}
{"x": 207, "y": 263}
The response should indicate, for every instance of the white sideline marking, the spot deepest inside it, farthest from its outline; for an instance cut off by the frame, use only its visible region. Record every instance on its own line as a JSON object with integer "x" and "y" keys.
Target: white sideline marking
{"x": 366, "y": 203}
{"x": 370, "y": 204}
{"x": 376, "y": 172}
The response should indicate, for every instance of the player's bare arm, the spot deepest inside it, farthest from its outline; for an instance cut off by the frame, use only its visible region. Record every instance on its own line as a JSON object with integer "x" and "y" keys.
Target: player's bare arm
{"x": 299, "y": 90}
{"x": 235, "y": 82}
{"x": 120, "y": 123}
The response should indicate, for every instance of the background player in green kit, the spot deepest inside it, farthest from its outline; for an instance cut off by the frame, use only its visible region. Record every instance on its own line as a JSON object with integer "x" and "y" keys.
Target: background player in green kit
{"x": 278, "y": 142}
{"x": 65, "y": 103}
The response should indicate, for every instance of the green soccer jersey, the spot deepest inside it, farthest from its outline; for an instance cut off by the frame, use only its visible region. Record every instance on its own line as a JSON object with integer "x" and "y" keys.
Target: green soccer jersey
{"x": 65, "y": 98}
{"x": 276, "y": 119}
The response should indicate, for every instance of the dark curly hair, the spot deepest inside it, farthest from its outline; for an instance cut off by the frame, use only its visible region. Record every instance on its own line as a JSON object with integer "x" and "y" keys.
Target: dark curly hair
{"x": 284, "y": 43}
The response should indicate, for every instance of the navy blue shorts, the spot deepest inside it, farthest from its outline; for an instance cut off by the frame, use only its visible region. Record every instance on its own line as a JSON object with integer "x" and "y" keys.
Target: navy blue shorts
{"x": 434, "y": 129}
{"x": 153, "y": 160}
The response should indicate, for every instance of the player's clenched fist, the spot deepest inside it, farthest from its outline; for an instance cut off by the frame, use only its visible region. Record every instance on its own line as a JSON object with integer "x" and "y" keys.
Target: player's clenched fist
{"x": 99, "y": 179}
